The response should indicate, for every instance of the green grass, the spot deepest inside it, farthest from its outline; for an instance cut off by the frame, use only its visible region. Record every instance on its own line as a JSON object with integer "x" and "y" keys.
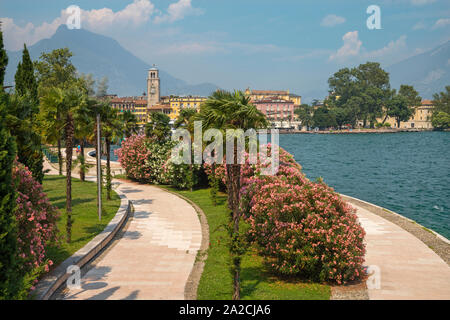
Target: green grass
{"x": 257, "y": 282}
{"x": 84, "y": 212}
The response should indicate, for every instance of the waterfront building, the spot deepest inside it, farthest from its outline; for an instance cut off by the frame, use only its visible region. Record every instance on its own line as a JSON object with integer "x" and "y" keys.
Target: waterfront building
{"x": 177, "y": 103}
{"x": 256, "y": 95}
{"x": 421, "y": 118}
{"x": 137, "y": 106}
{"x": 275, "y": 109}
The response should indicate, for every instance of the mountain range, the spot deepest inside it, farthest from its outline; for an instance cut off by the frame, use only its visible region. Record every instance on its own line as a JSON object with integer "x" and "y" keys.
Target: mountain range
{"x": 105, "y": 57}
{"x": 428, "y": 72}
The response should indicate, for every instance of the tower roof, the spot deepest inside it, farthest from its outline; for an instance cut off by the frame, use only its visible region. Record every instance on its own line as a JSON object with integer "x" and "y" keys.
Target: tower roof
{"x": 153, "y": 67}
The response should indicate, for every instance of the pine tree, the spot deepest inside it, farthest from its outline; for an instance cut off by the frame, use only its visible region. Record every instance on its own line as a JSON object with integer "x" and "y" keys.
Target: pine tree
{"x": 3, "y": 60}
{"x": 25, "y": 78}
{"x": 23, "y": 109}
{"x": 9, "y": 281}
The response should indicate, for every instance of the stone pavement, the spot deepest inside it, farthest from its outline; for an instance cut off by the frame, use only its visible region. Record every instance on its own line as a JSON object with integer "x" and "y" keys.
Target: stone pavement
{"x": 409, "y": 269}
{"x": 155, "y": 255}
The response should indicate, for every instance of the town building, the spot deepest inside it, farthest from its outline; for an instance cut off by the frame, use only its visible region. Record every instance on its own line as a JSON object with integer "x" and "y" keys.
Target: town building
{"x": 256, "y": 95}
{"x": 179, "y": 103}
{"x": 276, "y": 109}
{"x": 136, "y": 105}
{"x": 421, "y": 118}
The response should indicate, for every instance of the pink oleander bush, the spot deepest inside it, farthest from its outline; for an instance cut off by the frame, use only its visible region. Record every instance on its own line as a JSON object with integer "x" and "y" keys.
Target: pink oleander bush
{"x": 249, "y": 170}
{"x": 147, "y": 160}
{"x": 143, "y": 159}
{"x": 303, "y": 228}
{"x": 36, "y": 221}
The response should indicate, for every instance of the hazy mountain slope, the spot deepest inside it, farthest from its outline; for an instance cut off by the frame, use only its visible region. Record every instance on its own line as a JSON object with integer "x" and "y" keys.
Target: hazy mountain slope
{"x": 428, "y": 72}
{"x": 103, "y": 56}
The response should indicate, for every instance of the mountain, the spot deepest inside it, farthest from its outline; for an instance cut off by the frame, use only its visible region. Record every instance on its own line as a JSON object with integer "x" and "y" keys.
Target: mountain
{"x": 103, "y": 56}
{"x": 428, "y": 72}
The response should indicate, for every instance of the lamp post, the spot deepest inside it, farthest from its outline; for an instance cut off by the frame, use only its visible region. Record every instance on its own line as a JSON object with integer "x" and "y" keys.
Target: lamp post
{"x": 99, "y": 171}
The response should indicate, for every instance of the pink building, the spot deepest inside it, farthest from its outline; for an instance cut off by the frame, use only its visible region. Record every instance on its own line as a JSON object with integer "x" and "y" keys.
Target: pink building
{"x": 276, "y": 109}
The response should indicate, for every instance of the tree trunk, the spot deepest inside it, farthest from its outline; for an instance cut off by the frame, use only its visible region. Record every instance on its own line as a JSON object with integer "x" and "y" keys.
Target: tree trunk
{"x": 236, "y": 173}
{"x": 108, "y": 168}
{"x": 69, "y": 150}
{"x": 82, "y": 162}
{"x": 60, "y": 160}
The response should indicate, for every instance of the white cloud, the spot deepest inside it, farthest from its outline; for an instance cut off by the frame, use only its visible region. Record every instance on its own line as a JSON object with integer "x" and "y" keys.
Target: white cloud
{"x": 354, "y": 50}
{"x": 178, "y": 11}
{"x": 393, "y": 47}
{"x": 441, "y": 23}
{"x": 350, "y": 48}
{"x": 134, "y": 14}
{"x": 102, "y": 20}
{"x": 15, "y": 36}
{"x": 332, "y": 20}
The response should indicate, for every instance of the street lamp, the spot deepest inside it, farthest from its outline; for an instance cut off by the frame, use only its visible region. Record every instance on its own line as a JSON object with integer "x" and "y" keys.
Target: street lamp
{"x": 99, "y": 170}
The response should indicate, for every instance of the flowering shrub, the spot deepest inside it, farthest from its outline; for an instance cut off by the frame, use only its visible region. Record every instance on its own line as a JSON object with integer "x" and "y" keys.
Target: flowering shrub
{"x": 147, "y": 160}
{"x": 249, "y": 170}
{"x": 304, "y": 228}
{"x": 36, "y": 221}
{"x": 144, "y": 159}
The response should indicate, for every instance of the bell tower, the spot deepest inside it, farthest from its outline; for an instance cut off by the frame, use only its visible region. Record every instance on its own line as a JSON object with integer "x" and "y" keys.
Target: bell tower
{"x": 153, "y": 86}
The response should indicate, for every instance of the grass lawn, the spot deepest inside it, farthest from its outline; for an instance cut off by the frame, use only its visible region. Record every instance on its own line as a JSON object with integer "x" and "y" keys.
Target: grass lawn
{"x": 256, "y": 280}
{"x": 84, "y": 212}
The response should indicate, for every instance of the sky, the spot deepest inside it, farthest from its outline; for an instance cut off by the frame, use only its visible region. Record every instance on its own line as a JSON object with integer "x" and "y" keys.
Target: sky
{"x": 235, "y": 44}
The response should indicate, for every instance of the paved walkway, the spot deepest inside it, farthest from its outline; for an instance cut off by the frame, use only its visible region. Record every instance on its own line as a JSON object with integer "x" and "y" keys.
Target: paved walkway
{"x": 155, "y": 255}
{"x": 408, "y": 268}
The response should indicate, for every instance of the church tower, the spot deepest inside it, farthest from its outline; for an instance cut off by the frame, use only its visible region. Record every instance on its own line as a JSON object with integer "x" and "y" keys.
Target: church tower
{"x": 153, "y": 86}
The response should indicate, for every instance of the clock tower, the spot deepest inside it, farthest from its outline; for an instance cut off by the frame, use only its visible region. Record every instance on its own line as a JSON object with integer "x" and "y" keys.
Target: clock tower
{"x": 153, "y": 89}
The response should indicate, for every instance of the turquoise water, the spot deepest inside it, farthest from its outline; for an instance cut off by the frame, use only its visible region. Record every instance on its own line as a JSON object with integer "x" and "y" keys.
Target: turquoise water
{"x": 408, "y": 173}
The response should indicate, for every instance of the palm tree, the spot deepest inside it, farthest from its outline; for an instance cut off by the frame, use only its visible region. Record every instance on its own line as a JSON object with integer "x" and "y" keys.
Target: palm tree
{"x": 129, "y": 123}
{"x": 51, "y": 123}
{"x": 224, "y": 110}
{"x": 84, "y": 131}
{"x": 64, "y": 103}
{"x": 185, "y": 118}
{"x": 112, "y": 131}
{"x": 158, "y": 127}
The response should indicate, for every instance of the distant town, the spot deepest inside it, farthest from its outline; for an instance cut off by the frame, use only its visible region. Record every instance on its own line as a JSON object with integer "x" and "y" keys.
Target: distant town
{"x": 279, "y": 106}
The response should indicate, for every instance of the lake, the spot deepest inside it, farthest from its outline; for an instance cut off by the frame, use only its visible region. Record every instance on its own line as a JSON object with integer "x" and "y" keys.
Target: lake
{"x": 408, "y": 173}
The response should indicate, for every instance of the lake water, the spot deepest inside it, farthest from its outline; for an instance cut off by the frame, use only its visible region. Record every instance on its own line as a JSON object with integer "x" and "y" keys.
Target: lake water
{"x": 408, "y": 173}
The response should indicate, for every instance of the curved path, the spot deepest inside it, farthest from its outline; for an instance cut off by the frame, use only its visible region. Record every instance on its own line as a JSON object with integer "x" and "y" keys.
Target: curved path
{"x": 408, "y": 268}
{"x": 155, "y": 254}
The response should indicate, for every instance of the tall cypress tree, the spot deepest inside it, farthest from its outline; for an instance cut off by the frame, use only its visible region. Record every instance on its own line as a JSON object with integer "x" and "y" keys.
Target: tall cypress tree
{"x": 9, "y": 276}
{"x": 24, "y": 78}
{"x": 3, "y": 59}
{"x": 23, "y": 109}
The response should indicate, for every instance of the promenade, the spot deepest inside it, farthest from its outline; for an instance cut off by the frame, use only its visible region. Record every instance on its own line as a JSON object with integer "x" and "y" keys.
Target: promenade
{"x": 154, "y": 254}
{"x": 409, "y": 269}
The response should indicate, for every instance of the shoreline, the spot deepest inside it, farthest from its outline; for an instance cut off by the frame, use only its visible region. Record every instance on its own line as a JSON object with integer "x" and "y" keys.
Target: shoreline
{"x": 355, "y": 131}
{"x": 434, "y": 240}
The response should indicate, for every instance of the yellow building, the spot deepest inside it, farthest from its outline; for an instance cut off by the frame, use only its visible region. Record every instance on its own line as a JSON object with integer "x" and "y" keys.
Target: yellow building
{"x": 421, "y": 118}
{"x": 136, "y": 105}
{"x": 256, "y": 95}
{"x": 179, "y": 103}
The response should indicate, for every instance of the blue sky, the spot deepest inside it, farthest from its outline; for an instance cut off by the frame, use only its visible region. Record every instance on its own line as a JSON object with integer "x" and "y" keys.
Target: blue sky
{"x": 262, "y": 44}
